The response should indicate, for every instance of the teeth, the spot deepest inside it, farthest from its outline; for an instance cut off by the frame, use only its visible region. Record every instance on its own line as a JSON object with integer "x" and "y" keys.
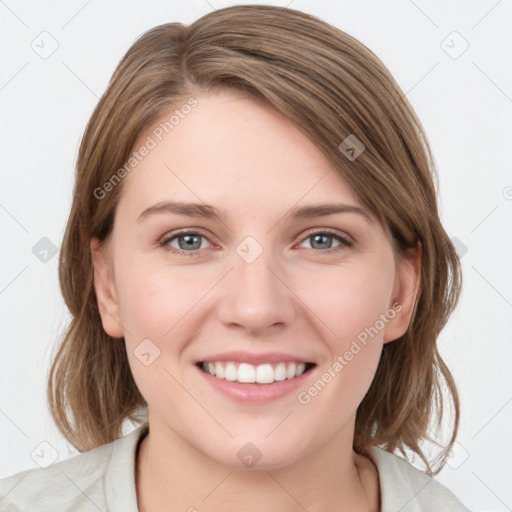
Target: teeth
{"x": 219, "y": 371}
{"x": 280, "y": 372}
{"x": 248, "y": 373}
{"x": 265, "y": 374}
{"x": 231, "y": 373}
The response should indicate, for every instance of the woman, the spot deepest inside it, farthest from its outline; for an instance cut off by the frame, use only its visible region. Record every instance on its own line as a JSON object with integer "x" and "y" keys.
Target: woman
{"x": 257, "y": 274}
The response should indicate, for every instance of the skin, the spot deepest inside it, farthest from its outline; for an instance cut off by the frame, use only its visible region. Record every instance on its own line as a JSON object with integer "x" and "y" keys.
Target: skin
{"x": 254, "y": 164}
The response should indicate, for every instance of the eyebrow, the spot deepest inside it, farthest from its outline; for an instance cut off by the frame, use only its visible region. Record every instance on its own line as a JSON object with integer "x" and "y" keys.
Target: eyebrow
{"x": 206, "y": 211}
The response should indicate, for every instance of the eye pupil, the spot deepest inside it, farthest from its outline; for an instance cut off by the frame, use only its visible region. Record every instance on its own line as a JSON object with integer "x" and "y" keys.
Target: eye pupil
{"x": 189, "y": 241}
{"x": 318, "y": 238}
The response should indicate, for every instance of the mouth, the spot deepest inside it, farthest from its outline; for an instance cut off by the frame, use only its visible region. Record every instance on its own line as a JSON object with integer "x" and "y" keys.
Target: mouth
{"x": 246, "y": 373}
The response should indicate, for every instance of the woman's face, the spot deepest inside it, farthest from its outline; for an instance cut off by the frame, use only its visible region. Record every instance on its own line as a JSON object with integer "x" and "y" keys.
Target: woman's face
{"x": 249, "y": 278}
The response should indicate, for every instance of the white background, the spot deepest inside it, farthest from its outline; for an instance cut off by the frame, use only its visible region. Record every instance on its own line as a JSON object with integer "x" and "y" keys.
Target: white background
{"x": 464, "y": 103}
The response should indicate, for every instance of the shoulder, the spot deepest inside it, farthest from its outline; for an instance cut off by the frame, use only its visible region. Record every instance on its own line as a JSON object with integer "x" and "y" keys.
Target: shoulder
{"x": 408, "y": 489}
{"x": 70, "y": 481}
{"x": 80, "y": 483}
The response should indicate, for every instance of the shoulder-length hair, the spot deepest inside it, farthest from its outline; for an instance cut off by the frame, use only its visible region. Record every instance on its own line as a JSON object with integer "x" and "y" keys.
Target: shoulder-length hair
{"x": 331, "y": 86}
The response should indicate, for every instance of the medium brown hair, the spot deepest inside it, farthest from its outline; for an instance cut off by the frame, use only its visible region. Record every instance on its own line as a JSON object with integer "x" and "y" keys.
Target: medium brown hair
{"x": 330, "y": 85}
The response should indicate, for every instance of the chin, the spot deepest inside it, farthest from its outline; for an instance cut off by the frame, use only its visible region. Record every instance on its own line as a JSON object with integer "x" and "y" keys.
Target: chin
{"x": 259, "y": 454}
{"x": 259, "y": 461}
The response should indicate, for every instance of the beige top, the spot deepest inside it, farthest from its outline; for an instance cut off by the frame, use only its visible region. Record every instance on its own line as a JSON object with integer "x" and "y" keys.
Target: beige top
{"x": 103, "y": 480}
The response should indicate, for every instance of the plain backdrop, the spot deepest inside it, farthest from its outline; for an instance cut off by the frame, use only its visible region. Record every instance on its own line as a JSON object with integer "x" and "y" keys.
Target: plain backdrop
{"x": 452, "y": 59}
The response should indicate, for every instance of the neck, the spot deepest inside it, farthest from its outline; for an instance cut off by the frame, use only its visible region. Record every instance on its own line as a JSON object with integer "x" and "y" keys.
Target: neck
{"x": 172, "y": 475}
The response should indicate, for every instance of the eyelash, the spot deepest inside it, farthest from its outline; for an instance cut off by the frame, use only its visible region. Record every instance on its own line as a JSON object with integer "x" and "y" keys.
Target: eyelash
{"x": 345, "y": 242}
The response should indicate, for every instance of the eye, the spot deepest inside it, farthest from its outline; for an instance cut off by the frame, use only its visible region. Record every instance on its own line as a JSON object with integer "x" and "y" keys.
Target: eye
{"x": 323, "y": 240}
{"x": 185, "y": 242}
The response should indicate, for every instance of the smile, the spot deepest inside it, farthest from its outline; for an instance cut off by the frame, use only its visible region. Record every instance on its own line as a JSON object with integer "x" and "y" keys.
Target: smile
{"x": 266, "y": 373}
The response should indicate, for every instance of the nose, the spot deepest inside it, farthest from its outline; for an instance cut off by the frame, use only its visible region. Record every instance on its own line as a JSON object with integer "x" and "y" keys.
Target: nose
{"x": 257, "y": 297}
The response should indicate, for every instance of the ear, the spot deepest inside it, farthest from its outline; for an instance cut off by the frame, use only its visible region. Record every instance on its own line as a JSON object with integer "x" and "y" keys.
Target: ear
{"x": 105, "y": 290}
{"x": 405, "y": 291}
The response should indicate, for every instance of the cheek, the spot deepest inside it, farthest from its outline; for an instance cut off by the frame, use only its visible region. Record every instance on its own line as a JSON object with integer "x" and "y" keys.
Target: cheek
{"x": 349, "y": 302}
{"x": 161, "y": 310}
{"x": 350, "y": 308}
{"x": 155, "y": 298}
{"x": 156, "y": 311}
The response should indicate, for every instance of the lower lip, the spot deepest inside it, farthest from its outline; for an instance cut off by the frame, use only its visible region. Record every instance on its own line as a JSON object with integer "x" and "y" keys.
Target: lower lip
{"x": 255, "y": 392}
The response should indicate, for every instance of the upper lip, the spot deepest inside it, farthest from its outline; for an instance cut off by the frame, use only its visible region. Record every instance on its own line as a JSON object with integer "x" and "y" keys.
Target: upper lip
{"x": 255, "y": 359}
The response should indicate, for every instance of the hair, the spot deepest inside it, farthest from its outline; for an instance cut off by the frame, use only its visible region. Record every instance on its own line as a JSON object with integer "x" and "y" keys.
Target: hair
{"x": 331, "y": 86}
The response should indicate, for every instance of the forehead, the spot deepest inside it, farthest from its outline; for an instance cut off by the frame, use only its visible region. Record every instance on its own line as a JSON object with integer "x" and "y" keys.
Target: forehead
{"x": 230, "y": 150}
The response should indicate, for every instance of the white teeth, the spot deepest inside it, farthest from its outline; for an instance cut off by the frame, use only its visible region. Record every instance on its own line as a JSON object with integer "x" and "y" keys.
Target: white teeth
{"x": 265, "y": 374}
{"x": 248, "y": 373}
{"x": 219, "y": 371}
{"x": 280, "y": 372}
{"x": 231, "y": 373}
{"x": 290, "y": 371}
